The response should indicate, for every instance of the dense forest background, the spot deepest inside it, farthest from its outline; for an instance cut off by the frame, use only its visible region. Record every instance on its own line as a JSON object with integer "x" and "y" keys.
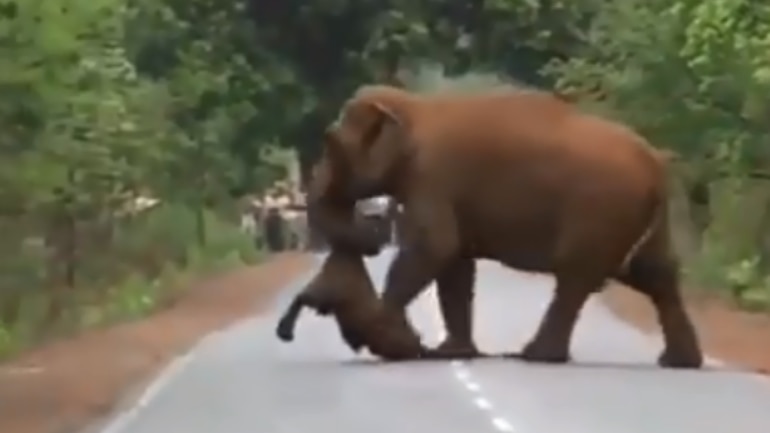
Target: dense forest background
{"x": 188, "y": 101}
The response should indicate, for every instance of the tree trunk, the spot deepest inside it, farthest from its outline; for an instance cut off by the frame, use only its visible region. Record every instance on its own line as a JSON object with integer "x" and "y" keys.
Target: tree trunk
{"x": 200, "y": 226}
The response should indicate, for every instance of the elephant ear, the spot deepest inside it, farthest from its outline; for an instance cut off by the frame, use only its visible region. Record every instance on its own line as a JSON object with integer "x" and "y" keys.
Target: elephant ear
{"x": 381, "y": 117}
{"x": 360, "y": 125}
{"x": 383, "y": 139}
{"x": 386, "y": 146}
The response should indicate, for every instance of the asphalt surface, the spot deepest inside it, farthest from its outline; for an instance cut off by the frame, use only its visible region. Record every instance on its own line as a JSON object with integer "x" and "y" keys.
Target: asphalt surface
{"x": 243, "y": 380}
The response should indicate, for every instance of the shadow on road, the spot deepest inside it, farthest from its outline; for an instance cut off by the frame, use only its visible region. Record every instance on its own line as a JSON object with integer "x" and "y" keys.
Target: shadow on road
{"x": 516, "y": 357}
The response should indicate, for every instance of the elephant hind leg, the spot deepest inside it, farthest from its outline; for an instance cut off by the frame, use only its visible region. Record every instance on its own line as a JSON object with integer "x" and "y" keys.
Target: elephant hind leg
{"x": 656, "y": 275}
{"x": 654, "y": 272}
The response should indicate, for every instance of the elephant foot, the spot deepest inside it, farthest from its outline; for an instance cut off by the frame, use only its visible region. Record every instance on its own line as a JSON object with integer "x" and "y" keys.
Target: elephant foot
{"x": 452, "y": 348}
{"x": 284, "y": 331}
{"x": 392, "y": 338}
{"x": 396, "y": 349}
{"x": 536, "y": 351}
{"x": 681, "y": 359}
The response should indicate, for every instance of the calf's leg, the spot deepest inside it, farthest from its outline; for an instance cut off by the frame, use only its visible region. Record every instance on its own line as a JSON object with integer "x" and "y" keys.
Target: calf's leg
{"x": 288, "y": 321}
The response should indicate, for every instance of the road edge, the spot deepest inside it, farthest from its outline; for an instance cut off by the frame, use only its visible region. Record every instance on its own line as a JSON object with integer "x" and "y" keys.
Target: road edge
{"x": 608, "y": 302}
{"x": 128, "y": 408}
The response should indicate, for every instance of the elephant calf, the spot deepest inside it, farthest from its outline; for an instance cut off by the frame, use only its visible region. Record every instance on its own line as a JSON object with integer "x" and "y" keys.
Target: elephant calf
{"x": 344, "y": 290}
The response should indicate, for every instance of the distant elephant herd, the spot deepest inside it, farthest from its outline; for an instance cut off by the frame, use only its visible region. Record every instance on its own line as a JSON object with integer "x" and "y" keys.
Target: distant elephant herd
{"x": 520, "y": 177}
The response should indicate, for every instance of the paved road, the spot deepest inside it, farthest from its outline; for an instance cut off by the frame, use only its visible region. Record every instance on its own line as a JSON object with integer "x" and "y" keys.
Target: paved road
{"x": 244, "y": 380}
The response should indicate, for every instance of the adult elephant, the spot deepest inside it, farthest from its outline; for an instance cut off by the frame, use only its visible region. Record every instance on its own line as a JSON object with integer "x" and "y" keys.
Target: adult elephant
{"x": 520, "y": 177}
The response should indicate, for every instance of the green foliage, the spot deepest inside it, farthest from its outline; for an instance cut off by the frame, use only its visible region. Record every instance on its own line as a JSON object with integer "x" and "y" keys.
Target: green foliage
{"x": 329, "y": 48}
{"x": 670, "y": 68}
{"x": 144, "y": 267}
{"x": 691, "y": 76}
{"x": 103, "y": 102}
{"x": 432, "y": 78}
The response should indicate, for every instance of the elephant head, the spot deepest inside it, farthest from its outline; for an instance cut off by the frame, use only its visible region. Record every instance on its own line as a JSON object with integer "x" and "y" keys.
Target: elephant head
{"x": 369, "y": 144}
{"x": 366, "y": 153}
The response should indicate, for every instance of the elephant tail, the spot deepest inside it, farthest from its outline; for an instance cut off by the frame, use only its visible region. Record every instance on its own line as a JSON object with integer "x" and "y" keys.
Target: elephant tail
{"x": 657, "y": 217}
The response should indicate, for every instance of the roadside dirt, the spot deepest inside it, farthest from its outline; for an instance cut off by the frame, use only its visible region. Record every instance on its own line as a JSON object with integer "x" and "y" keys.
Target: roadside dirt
{"x": 737, "y": 337}
{"x": 62, "y": 387}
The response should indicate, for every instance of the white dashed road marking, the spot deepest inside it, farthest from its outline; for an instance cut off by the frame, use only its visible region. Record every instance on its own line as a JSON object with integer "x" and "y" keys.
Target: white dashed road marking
{"x": 463, "y": 375}
{"x": 502, "y": 424}
{"x": 473, "y": 386}
{"x": 482, "y": 403}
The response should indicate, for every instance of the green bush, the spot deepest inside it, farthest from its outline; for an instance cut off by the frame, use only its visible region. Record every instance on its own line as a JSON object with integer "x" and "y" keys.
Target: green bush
{"x": 729, "y": 258}
{"x": 148, "y": 262}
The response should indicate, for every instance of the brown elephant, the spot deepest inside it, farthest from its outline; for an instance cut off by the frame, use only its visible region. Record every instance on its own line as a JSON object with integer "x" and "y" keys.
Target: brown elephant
{"x": 520, "y": 177}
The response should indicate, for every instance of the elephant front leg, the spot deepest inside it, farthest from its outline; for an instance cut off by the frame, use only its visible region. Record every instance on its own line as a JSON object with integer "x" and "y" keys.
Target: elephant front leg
{"x": 430, "y": 245}
{"x": 455, "y": 297}
{"x": 409, "y": 274}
